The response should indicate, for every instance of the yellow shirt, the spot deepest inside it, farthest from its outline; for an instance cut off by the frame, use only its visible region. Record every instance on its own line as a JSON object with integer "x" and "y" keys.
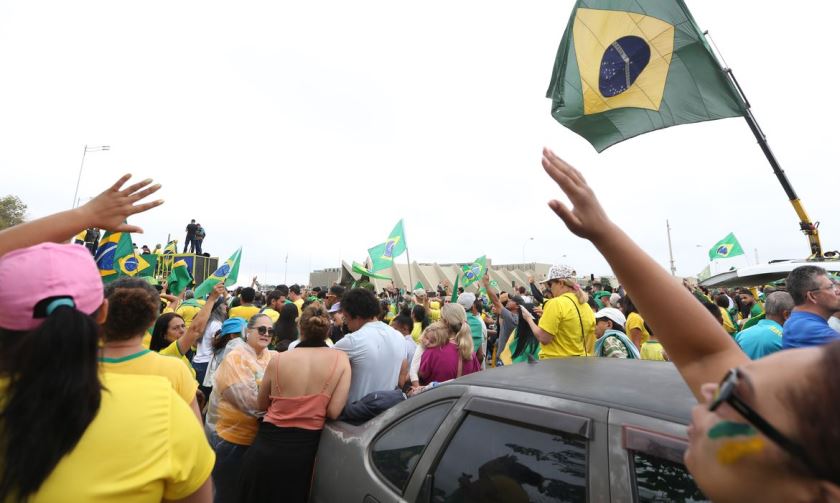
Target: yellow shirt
{"x": 634, "y": 320}
{"x": 299, "y": 304}
{"x": 172, "y": 350}
{"x": 143, "y": 445}
{"x": 245, "y": 312}
{"x": 271, "y": 313}
{"x": 434, "y": 311}
{"x": 560, "y": 319}
{"x": 727, "y": 321}
{"x": 151, "y": 363}
{"x": 416, "y": 330}
{"x": 188, "y": 312}
{"x": 652, "y": 350}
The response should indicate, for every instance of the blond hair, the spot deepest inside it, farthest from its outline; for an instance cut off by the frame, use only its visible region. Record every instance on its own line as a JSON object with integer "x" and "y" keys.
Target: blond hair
{"x": 582, "y": 296}
{"x": 454, "y": 317}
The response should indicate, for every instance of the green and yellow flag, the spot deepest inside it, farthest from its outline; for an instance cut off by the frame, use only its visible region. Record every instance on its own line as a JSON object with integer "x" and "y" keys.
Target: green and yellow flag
{"x": 627, "y": 67}
{"x": 360, "y": 269}
{"x": 227, "y": 272}
{"x": 726, "y": 247}
{"x": 475, "y": 271}
{"x": 179, "y": 277}
{"x": 171, "y": 247}
{"x": 116, "y": 257}
{"x": 382, "y": 255}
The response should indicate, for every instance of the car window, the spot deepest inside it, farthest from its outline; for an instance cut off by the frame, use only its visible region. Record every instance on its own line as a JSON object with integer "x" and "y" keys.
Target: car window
{"x": 396, "y": 452}
{"x": 496, "y": 460}
{"x": 660, "y": 480}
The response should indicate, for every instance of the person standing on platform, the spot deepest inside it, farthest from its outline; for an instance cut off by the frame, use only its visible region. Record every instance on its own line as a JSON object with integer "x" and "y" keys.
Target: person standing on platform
{"x": 190, "y": 241}
{"x": 199, "y": 238}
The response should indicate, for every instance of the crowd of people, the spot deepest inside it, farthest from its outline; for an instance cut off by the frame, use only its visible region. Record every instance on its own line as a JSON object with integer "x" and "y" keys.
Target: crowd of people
{"x": 225, "y": 397}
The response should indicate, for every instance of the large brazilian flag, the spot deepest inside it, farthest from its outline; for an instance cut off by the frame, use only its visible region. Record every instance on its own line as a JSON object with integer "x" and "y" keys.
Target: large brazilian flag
{"x": 627, "y": 67}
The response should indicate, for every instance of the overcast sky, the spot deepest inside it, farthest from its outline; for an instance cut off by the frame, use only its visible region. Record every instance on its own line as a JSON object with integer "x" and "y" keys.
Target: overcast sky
{"x": 310, "y": 128}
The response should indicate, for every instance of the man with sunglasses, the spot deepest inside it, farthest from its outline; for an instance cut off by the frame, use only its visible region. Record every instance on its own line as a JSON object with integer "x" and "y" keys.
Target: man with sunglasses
{"x": 816, "y": 297}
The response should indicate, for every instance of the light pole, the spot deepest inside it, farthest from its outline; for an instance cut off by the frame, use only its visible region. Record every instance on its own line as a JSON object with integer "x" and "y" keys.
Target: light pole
{"x": 97, "y": 148}
{"x": 523, "y": 248}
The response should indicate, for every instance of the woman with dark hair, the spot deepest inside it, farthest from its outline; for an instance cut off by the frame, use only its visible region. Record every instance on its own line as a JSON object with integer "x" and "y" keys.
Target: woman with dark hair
{"x": 421, "y": 321}
{"x": 525, "y": 346}
{"x": 234, "y": 403}
{"x": 59, "y": 411}
{"x": 635, "y": 327}
{"x": 286, "y": 329}
{"x": 132, "y": 307}
{"x": 299, "y": 390}
{"x": 204, "y": 347}
{"x": 767, "y": 431}
{"x": 226, "y": 339}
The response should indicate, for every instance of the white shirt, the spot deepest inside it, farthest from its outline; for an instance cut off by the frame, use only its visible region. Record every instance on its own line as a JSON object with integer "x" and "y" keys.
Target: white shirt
{"x": 834, "y": 323}
{"x": 376, "y": 353}
{"x": 204, "y": 350}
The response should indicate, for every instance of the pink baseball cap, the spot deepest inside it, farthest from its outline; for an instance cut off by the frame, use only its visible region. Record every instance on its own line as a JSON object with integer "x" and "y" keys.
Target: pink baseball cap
{"x": 30, "y": 275}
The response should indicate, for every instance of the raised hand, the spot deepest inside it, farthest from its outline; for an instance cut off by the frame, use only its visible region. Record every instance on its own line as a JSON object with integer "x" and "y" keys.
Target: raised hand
{"x": 586, "y": 218}
{"x": 110, "y": 209}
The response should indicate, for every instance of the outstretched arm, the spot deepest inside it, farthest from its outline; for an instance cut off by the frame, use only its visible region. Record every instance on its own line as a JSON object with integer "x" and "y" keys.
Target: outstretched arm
{"x": 199, "y": 323}
{"x": 694, "y": 340}
{"x": 107, "y": 211}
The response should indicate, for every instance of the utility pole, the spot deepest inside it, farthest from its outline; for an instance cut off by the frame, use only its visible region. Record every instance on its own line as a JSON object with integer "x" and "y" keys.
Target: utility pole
{"x": 670, "y": 250}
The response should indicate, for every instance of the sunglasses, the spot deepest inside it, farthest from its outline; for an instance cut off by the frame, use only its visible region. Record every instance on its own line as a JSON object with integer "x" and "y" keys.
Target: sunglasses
{"x": 726, "y": 394}
{"x": 264, "y": 330}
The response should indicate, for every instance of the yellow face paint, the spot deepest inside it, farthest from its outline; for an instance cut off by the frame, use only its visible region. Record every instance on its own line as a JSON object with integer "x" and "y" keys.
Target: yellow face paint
{"x": 733, "y": 450}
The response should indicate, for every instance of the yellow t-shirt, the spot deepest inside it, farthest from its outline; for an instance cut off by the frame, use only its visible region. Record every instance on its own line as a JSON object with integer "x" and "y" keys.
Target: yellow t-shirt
{"x": 434, "y": 311}
{"x": 727, "y": 321}
{"x": 143, "y": 445}
{"x": 652, "y": 350}
{"x": 271, "y": 313}
{"x": 173, "y": 351}
{"x": 634, "y": 320}
{"x": 243, "y": 312}
{"x": 416, "y": 330}
{"x": 188, "y": 312}
{"x": 151, "y": 363}
{"x": 560, "y": 319}
{"x": 299, "y": 304}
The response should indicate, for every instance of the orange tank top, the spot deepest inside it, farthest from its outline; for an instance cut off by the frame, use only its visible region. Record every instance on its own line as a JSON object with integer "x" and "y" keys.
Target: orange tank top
{"x": 306, "y": 411}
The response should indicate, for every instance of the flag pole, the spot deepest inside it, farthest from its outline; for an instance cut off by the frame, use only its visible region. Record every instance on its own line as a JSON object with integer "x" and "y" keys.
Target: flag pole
{"x": 805, "y": 225}
{"x": 408, "y": 261}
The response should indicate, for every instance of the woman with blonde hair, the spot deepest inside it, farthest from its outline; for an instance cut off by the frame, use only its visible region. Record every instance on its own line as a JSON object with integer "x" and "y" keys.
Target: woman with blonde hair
{"x": 567, "y": 326}
{"x": 449, "y": 347}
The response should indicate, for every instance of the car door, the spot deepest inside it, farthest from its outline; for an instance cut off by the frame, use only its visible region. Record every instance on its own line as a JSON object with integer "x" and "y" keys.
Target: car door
{"x": 512, "y": 446}
{"x": 646, "y": 460}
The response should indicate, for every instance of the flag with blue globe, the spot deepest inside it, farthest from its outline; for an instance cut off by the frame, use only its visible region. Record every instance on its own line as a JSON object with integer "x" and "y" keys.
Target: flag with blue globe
{"x": 227, "y": 272}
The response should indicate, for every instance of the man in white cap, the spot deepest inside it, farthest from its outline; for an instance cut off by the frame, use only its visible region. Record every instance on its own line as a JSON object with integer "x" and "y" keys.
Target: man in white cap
{"x": 477, "y": 326}
{"x": 567, "y": 326}
{"x": 612, "y": 341}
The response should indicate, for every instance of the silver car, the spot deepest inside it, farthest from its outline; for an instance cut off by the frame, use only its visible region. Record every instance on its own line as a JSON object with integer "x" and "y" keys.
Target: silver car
{"x": 575, "y": 429}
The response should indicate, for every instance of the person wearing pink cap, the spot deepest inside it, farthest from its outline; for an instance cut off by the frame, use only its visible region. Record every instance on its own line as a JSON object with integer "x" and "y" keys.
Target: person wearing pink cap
{"x": 70, "y": 432}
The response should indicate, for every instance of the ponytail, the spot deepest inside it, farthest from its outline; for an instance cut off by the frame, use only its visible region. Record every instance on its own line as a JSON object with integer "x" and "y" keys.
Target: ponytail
{"x": 582, "y": 296}
{"x": 463, "y": 337}
{"x": 53, "y": 395}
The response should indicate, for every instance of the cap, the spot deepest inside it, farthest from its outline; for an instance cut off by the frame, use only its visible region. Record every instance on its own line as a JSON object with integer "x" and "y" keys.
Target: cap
{"x": 233, "y": 326}
{"x": 467, "y": 299}
{"x": 559, "y": 272}
{"x": 419, "y": 292}
{"x": 611, "y": 314}
{"x": 43, "y": 271}
{"x": 601, "y": 293}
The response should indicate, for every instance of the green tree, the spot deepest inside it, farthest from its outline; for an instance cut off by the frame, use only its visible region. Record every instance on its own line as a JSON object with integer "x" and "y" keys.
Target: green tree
{"x": 12, "y": 211}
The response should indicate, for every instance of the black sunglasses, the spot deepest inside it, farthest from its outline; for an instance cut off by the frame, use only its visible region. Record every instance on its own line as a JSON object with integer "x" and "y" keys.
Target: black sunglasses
{"x": 265, "y": 330}
{"x": 726, "y": 393}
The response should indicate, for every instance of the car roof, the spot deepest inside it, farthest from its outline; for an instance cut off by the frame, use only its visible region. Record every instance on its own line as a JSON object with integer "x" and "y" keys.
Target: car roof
{"x": 650, "y": 388}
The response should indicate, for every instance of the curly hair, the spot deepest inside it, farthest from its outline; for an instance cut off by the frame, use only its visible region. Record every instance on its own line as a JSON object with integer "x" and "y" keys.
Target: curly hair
{"x": 133, "y": 305}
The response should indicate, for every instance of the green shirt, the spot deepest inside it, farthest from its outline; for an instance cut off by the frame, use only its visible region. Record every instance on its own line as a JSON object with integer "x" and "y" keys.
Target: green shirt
{"x": 477, "y": 329}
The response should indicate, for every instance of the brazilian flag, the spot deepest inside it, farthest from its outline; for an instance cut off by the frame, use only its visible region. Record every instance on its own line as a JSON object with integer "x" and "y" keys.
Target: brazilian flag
{"x": 726, "y": 248}
{"x": 627, "y": 67}
{"x": 227, "y": 272}
{"x": 116, "y": 257}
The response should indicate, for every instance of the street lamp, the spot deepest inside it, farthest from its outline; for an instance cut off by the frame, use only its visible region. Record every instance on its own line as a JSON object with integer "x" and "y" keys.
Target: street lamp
{"x": 523, "y": 248}
{"x": 97, "y": 148}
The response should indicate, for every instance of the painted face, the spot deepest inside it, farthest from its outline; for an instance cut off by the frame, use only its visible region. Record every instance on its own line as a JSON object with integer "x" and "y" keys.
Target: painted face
{"x": 175, "y": 329}
{"x": 728, "y": 457}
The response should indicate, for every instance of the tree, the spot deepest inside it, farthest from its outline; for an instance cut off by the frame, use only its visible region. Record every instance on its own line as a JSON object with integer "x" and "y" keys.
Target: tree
{"x": 12, "y": 211}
